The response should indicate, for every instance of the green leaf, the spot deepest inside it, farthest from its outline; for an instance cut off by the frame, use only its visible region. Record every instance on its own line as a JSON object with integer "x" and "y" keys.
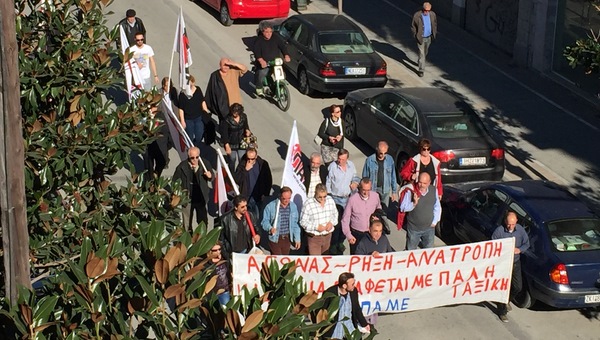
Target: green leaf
{"x": 203, "y": 245}
{"x": 42, "y": 310}
{"x": 148, "y": 289}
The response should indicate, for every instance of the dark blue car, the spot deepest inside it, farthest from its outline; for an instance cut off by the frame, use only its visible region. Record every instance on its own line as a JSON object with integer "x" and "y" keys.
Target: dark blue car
{"x": 562, "y": 267}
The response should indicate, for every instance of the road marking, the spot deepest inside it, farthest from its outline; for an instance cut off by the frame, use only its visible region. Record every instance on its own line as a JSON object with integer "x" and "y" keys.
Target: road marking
{"x": 550, "y": 101}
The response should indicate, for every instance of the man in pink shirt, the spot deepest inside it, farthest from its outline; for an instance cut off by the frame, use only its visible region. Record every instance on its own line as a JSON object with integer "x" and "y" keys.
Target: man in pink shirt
{"x": 360, "y": 206}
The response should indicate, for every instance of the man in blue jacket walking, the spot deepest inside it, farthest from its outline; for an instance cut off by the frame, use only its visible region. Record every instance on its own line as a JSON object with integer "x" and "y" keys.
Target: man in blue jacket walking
{"x": 286, "y": 231}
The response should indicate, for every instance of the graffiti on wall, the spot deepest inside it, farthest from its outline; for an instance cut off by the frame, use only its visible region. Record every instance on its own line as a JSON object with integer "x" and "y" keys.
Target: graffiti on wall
{"x": 494, "y": 21}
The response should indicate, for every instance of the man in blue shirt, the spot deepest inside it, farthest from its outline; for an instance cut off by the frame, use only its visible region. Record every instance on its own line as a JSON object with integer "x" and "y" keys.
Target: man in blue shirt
{"x": 286, "y": 231}
{"x": 512, "y": 229}
{"x": 424, "y": 29}
{"x": 380, "y": 168}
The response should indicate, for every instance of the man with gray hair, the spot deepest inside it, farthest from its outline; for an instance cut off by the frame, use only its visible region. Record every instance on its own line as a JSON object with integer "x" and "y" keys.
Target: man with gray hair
{"x": 380, "y": 168}
{"x": 424, "y": 29}
{"x": 357, "y": 214}
{"x": 424, "y": 212}
{"x": 314, "y": 173}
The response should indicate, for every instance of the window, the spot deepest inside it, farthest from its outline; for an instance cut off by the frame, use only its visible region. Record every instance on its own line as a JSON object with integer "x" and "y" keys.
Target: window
{"x": 344, "y": 42}
{"x": 406, "y": 115}
{"x": 289, "y": 28}
{"x": 302, "y": 35}
{"x": 386, "y": 103}
{"x": 522, "y": 217}
{"x": 575, "y": 234}
{"x": 455, "y": 125}
{"x": 488, "y": 202}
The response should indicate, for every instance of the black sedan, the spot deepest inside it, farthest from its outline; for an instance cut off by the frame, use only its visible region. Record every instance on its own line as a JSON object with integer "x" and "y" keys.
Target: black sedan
{"x": 330, "y": 53}
{"x": 404, "y": 116}
{"x": 562, "y": 266}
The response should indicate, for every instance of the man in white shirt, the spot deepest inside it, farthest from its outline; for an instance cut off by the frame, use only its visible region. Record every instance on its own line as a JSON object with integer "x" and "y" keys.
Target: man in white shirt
{"x": 318, "y": 218}
{"x": 143, "y": 55}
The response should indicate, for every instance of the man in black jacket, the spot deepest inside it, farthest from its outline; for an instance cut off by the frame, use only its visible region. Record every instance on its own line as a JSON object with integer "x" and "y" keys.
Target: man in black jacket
{"x": 236, "y": 236}
{"x": 194, "y": 178}
{"x": 266, "y": 48}
{"x": 254, "y": 178}
{"x": 314, "y": 173}
{"x": 132, "y": 25}
{"x": 349, "y": 307}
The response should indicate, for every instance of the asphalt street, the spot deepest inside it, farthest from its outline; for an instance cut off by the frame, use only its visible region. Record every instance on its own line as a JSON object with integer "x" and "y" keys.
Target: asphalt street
{"x": 548, "y": 132}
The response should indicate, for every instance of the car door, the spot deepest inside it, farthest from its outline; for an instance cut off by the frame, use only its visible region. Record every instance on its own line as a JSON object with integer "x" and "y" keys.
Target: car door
{"x": 297, "y": 46}
{"x": 288, "y": 30}
{"x": 484, "y": 213}
{"x": 535, "y": 260}
{"x": 380, "y": 126}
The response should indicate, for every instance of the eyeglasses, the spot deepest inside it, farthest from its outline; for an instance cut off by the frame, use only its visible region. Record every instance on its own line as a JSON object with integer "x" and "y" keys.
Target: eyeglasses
{"x": 252, "y": 159}
{"x": 322, "y": 196}
{"x": 139, "y": 39}
{"x": 425, "y": 149}
{"x": 215, "y": 250}
{"x": 338, "y": 111}
{"x": 194, "y": 157}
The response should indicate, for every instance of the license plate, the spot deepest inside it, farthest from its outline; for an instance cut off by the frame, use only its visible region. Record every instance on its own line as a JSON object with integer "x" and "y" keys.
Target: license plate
{"x": 471, "y": 161}
{"x": 592, "y": 298}
{"x": 278, "y": 73}
{"x": 355, "y": 71}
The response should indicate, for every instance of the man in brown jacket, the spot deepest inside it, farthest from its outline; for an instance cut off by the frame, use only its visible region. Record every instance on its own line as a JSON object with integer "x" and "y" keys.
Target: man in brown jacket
{"x": 424, "y": 29}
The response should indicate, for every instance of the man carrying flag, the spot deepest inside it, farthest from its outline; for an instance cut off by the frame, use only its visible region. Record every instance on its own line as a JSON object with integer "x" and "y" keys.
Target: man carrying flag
{"x": 237, "y": 234}
{"x": 182, "y": 46}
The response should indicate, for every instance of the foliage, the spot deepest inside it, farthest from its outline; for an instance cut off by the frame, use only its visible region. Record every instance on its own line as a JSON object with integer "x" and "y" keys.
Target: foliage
{"x": 586, "y": 52}
{"x": 112, "y": 261}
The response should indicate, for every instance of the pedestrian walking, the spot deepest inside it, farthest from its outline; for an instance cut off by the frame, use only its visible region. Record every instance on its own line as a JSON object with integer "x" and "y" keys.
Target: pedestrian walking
{"x": 192, "y": 109}
{"x": 223, "y": 88}
{"x": 236, "y": 236}
{"x": 424, "y": 161}
{"x": 349, "y": 316}
{"x": 318, "y": 219}
{"x": 331, "y": 134}
{"x": 423, "y": 213}
{"x": 143, "y": 55}
{"x": 233, "y": 130}
{"x": 156, "y": 156}
{"x": 254, "y": 178}
{"x": 132, "y": 25}
{"x": 424, "y": 29}
{"x": 194, "y": 179}
{"x": 512, "y": 229}
{"x": 381, "y": 170}
{"x": 357, "y": 213}
{"x": 286, "y": 232}
{"x": 314, "y": 173}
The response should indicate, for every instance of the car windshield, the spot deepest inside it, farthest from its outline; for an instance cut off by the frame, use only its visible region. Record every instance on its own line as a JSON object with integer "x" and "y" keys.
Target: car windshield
{"x": 344, "y": 42}
{"x": 575, "y": 234}
{"x": 455, "y": 125}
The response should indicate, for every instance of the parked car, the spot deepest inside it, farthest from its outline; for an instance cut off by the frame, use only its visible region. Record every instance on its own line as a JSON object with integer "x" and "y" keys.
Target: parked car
{"x": 330, "y": 53}
{"x": 230, "y": 10}
{"x": 402, "y": 117}
{"x": 562, "y": 266}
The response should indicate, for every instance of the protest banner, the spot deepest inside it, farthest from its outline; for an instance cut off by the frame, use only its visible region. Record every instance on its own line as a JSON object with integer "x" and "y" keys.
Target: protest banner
{"x": 402, "y": 281}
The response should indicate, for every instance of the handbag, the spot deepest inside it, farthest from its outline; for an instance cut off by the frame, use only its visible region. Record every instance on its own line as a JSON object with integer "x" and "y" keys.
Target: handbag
{"x": 249, "y": 142}
{"x": 318, "y": 140}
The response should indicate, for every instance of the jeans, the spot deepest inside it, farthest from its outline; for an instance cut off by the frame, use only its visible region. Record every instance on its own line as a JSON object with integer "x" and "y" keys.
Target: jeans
{"x": 224, "y": 298}
{"x": 195, "y": 130}
{"x": 423, "y": 50}
{"x": 259, "y": 77}
{"x": 425, "y": 237}
{"x": 234, "y": 159}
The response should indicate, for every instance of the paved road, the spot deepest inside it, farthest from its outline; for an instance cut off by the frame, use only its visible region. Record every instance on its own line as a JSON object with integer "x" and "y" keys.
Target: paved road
{"x": 548, "y": 133}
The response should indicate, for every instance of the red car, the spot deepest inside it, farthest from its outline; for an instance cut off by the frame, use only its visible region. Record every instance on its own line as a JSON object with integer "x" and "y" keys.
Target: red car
{"x": 230, "y": 10}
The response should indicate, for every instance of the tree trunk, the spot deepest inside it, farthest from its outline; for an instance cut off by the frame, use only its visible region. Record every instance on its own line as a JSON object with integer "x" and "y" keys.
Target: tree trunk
{"x": 13, "y": 214}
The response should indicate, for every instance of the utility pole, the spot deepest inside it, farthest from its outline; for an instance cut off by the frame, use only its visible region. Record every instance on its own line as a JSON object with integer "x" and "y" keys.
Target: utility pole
{"x": 13, "y": 214}
{"x": 340, "y": 3}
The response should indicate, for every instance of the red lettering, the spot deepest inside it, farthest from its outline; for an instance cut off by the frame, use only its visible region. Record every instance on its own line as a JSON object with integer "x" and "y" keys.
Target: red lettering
{"x": 426, "y": 256}
{"x": 353, "y": 260}
{"x": 252, "y": 264}
{"x": 380, "y": 286}
{"x": 477, "y": 252}
{"x": 473, "y": 275}
{"x": 466, "y": 251}
{"x": 497, "y": 249}
{"x": 411, "y": 260}
{"x": 366, "y": 265}
{"x": 387, "y": 262}
{"x": 326, "y": 269}
{"x": 467, "y": 289}
{"x": 489, "y": 271}
{"x": 453, "y": 250}
{"x": 458, "y": 277}
{"x": 440, "y": 257}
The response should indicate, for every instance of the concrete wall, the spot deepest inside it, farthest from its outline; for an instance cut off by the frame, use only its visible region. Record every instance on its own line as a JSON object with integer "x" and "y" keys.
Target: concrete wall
{"x": 494, "y": 21}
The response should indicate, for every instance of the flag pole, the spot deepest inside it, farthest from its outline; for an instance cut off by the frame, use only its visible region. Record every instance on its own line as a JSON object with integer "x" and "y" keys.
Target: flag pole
{"x": 174, "y": 44}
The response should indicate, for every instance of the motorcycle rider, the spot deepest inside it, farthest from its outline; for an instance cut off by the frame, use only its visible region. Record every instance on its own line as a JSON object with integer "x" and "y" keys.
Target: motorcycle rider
{"x": 266, "y": 48}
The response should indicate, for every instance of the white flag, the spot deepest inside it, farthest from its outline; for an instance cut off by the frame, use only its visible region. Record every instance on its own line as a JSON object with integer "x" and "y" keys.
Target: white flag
{"x": 293, "y": 170}
{"x": 133, "y": 80}
{"x": 220, "y": 189}
{"x": 182, "y": 46}
{"x": 181, "y": 140}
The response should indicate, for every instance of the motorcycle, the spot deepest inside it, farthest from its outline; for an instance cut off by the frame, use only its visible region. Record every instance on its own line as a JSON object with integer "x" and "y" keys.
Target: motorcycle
{"x": 274, "y": 84}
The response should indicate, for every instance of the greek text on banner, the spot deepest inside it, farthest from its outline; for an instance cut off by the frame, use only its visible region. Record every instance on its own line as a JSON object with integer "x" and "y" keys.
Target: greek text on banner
{"x": 402, "y": 281}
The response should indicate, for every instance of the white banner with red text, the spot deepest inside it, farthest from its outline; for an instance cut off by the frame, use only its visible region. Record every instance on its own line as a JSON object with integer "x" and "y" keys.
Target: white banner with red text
{"x": 402, "y": 281}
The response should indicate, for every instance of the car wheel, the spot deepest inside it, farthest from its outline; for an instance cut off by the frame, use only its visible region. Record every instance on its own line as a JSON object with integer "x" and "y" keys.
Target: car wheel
{"x": 524, "y": 298}
{"x": 303, "y": 84}
{"x": 224, "y": 16}
{"x": 350, "y": 124}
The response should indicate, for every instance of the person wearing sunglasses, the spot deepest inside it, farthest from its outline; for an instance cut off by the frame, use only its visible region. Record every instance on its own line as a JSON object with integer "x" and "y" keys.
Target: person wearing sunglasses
{"x": 424, "y": 161}
{"x": 143, "y": 55}
{"x": 318, "y": 218}
{"x": 222, "y": 272}
{"x": 194, "y": 179}
{"x": 424, "y": 29}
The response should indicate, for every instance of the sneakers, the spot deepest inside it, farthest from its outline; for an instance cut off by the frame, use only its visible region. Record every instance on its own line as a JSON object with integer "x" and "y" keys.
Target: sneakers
{"x": 508, "y": 306}
{"x": 259, "y": 92}
{"x": 503, "y": 318}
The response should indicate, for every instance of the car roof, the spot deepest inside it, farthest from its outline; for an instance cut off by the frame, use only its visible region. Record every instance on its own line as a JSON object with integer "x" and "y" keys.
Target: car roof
{"x": 328, "y": 22}
{"x": 547, "y": 200}
{"x": 432, "y": 99}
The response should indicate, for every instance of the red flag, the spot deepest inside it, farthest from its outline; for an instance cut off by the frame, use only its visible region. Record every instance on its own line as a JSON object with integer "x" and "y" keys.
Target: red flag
{"x": 182, "y": 46}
